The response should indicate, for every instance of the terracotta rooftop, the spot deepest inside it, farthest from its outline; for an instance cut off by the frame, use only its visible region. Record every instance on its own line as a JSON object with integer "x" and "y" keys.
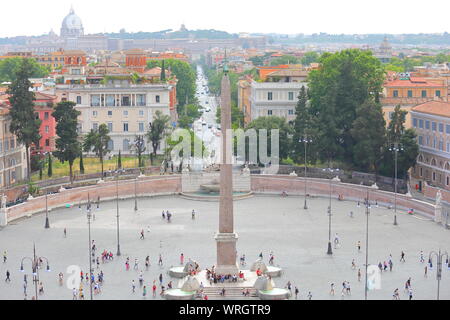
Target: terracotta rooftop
{"x": 437, "y": 108}
{"x": 413, "y": 82}
{"x": 288, "y": 73}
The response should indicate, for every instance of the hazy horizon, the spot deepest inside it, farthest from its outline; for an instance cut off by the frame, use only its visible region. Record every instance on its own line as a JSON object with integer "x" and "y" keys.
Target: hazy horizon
{"x": 282, "y": 17}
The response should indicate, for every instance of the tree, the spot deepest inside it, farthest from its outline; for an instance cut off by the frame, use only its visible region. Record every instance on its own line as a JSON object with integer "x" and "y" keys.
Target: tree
{"x": 67, "y": 145}
{"x": 344, "y": 81}
{"x": 119, "y": 161}
{"x": 269, "y": 123}
{"x": 309, "y": 57}
{"x": 97, "y": 141}
{"x": 286, "y": 59}
{"x": 81, "y": 162}
{"x": 257, "y": 60}
{"x": 10, "y": 66}
{"x": 302, "y": 126}
{"x": 163, "y": 72}
{"x": 23, "y": 121}
{"x": 409, "y": 150}
{"x": 186, "y": 78}
{"x": 50, "y": 167}
{"x": 369, "y": 134}
{"x": 139, "y": 147}
{"x": 157, "y": 130}
{"x": 237, "y": 116}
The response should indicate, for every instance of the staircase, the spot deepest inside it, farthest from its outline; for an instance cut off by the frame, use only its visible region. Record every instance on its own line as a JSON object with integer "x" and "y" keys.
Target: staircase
{"x": 230, "y": 293}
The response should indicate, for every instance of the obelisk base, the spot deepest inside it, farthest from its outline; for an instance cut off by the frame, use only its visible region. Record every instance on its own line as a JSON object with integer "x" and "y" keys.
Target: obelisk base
{"x": 226, "y": 254}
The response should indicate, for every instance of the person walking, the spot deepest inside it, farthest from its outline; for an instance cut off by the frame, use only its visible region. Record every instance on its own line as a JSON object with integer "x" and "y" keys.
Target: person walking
{"x": 147, "y": 262}
{"x": 8, "y": 279}
{"x": 160, "y": 279}
{"x": 133, "y": 286}
{"x": 74, "y": 293}
{"x": 154, "y": 289}
{"x": 4, "y": 257}
{"x": 422, "y": 260}
{"x": 296, "y": 292}
{"x": 181, "y": 258}
{"x": 402, "y": 257}
{"x": 336, "y": 240}
{"x": 391, "y": 265}
{"x": 136, "y": 264}
{"x": 193, "y": 214}
{"x": 359, "y": 275}
{"x": 160, "y": 262}
{"x": 332, "y": 289}
{"x": 65, "y": 233}
{"x": 396, "y": 295}
{"x": 426, "y": 271}
{"x": 144, "y": 291}
{"x": 163, "y": 215}
{"x": 353, "y": 264}
{"x": 141, "y": 279}
{"x": 358, "y": 245}
{"x": 410, "y": 294}
{"x": 142, "y": 235}
{"x": 309, "y": 295}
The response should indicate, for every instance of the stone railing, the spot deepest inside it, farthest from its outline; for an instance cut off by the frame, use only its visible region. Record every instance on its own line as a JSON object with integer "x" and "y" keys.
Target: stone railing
{"x": 146, "y": 186}
{"x": 320, "y": 187}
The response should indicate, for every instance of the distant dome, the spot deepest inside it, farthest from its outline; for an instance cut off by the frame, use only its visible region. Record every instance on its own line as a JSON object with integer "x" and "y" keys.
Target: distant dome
{"x": 72, "y": 25}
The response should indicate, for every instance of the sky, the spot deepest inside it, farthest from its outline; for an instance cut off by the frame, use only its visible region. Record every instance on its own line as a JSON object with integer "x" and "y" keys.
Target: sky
{"x": 26, "y": 17}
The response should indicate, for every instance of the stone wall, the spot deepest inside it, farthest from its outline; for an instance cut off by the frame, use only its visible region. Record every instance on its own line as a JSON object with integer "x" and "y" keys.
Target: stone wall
{"x": 192, "y": 181}
{"x": 155, "y": 185}
{"x": 319, "y": 187}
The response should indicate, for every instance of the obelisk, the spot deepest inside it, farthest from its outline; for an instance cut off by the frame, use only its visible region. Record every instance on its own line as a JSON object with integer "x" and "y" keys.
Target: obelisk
{"x": 226, "y": 237}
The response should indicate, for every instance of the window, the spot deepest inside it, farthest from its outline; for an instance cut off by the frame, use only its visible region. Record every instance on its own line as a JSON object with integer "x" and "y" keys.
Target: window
{"x": 125, "y": 127}
{"x": 433, "y": 126}
{"x": 395, "y": 93}
{"x": 420, "y": 123}
{"x": 126, "y": 145}
{"x": 441, "y": 127}
{"x": 427, "y": 124}
{"x": 111, "y": 144}
{"x": 269, "y": 96}
{"x": 424, "y": 93}
{"x": 434, "y": 142}
{"x": 140, "y": 100}
{"x": 420, "y": 140}
{"x": 141, "y": 113}
{"x": 447, "y": 181}
{"x": 157, "y": 99}
{"x": 291, "y": 96}
{"x": 428, "y": 141}
{"x": 441, "y": 145}
{"x": 76, "y": 71}
{"x": 438, "y": 93}
{"x": 414, "y": 122}
{"x": 110, "y": 100}
{"x": 6, "y": 145}
{"x": 290, "y": 112}
{"x": 126, "y": 101}
{"x": 269, "y": 112}
{"x": 110, "y": 126}
{"x": 421, "y": 172}
{"x": 47, "y": 129}
{"x": 12, "y": 143}
{"x": 447, "y": 128}
{"x": 1, "y": 146}
{"x": 141, "y": 127}
{"x": 78, "y": 99}
{"x": 95, "y": 100}
{"x": 94, "y": 114}
{"x": 434, "y": 176}
{"x": 125, "y": 113}
{"x": 95, "y": 126}
{"x": 36, "y": 116}
{"x": 47, "y": 142}
{"x": 46, "y": 115}
{"x": 109, "y": 113}
{"x": 409, "y": 93}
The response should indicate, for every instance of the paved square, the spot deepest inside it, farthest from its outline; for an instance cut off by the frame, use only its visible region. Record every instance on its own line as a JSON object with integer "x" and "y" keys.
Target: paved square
{"x": 297, "y": 237}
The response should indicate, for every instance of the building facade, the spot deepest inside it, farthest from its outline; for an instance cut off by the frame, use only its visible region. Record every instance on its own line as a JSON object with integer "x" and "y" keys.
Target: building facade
{"x": 43, "y": 108}
{"x": 13, "y": 163}
{"x": 127, "y": 109}
{"x": 431, "y": 120}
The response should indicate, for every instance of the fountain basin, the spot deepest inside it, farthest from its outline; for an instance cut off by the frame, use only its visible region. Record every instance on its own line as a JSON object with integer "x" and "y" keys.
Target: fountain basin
{"x": 274, "y": 294}
{"x": 273, "y": 271}
{"x": 177, "y": 272}
{"x": 178, "y": 294}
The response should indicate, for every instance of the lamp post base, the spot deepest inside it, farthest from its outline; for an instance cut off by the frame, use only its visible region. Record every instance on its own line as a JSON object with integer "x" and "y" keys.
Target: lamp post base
{"x": 118, "y": 250}
{"x": 47, "y": 223}
{"x": 395, "y": 221}
{"x": 330, "y": 251}
{"x": 305, "y": 206}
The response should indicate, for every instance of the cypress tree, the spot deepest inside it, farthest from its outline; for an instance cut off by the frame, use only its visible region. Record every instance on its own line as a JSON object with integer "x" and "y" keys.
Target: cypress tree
{"x": 119, "y": 161}
{"x": 50, "y": 168}
{"x": 163, "y": 72}
{"x": 81, "y": 163}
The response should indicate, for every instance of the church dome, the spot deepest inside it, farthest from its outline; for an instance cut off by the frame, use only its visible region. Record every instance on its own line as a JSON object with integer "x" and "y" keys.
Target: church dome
{"x": 72, "y": 25}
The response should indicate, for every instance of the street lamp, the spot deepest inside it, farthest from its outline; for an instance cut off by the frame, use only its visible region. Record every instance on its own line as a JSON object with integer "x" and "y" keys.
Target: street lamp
{"x": 90, "y": 245}
{"x": 396, "y": 147}
{"x": 439, "y": 256}
{"x": 117, "y": 206}
{"x": 135, "y": 194}
{"x": 35, "y": 267}
{"x": 330, "y": 251}
{"x": 367, "y": 204}
{"x": 305, "y": 140}
{"x": 47, "y": 223}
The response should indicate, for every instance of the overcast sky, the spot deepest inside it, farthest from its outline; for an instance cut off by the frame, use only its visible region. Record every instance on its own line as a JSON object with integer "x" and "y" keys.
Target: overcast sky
{"x": 281, "y": 16}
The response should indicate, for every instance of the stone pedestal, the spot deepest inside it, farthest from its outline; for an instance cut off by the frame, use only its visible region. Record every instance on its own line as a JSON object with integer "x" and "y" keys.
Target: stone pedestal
{"x": 226, "y": 253}
{"x": 438, "y": 208}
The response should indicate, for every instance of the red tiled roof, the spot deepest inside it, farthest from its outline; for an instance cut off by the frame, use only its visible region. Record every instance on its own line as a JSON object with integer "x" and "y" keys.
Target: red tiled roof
{"x": 413, "y": 82}
{"x": 438, "y": 108}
